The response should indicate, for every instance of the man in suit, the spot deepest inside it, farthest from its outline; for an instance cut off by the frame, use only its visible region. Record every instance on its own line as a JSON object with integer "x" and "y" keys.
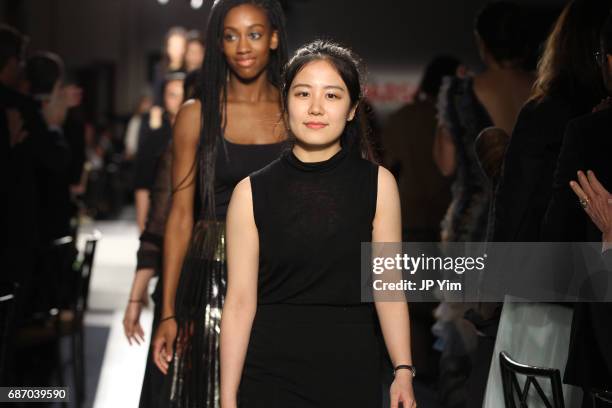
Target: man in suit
{"x": 587, "y": 145}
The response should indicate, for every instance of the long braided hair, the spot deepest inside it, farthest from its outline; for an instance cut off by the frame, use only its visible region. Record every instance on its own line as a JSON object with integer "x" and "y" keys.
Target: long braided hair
{"x": 213, "y": 94}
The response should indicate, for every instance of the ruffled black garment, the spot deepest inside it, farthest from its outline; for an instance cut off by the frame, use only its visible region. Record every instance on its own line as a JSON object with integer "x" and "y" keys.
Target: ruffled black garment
{"x": 464, "y": 116}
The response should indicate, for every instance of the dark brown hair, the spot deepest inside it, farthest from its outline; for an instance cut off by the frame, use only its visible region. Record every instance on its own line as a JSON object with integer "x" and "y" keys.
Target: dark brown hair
{"x": 350, "y": 69}
{"x": 567, "y": 66}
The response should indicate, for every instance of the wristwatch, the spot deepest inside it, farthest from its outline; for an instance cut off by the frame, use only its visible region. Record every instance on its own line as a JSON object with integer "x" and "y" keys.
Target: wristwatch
{"x": 405, "y": 367}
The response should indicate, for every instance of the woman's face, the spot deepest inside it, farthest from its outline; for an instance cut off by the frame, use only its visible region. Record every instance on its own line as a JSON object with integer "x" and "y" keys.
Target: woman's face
{"x": 194, "y": 56}
{"x": 319, "y": 105}
{"x": 247, "y": 40}
{"x": 173, "y": 96}
{"x": 175, "y": 48}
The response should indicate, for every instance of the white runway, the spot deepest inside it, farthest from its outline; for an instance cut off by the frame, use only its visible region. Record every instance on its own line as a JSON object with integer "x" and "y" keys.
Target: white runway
{"x": 120, "y": 379}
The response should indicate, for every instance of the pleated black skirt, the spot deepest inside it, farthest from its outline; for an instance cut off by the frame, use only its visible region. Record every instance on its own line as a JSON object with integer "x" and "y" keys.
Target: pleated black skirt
{"x": 307, "y": 356}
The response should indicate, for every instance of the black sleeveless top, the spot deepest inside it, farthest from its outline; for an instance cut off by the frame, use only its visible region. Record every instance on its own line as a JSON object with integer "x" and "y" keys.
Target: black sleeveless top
{"x": 240, "y": 161}
{"x": 311, "y": 219}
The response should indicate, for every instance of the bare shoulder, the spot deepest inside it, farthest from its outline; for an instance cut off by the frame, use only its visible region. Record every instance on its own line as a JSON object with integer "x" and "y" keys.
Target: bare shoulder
{"x": 387, "y": 223}
{"x": 187, "y": 125}
{"x": 190, "y": 111}
{"x": 386, "y": 182}
{"x": 240, "y": 210}
{"x": 243, "y": 189}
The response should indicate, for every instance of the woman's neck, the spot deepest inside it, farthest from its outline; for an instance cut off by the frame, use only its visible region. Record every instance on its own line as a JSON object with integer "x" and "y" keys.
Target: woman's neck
{"x": 314, "y": 154}
{"x": 256, "y": 90}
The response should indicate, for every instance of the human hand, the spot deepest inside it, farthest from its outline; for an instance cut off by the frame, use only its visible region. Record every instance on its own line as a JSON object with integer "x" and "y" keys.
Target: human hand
{"x": 596, "y": 201}
{"x": 401, "y": 390}
{"x": 604, "y": 104}
{"x": 17, "y": 133}
{"x": 131, "y": 323}
{"x": 155, "y": 117}
{"x": 163, "y": 344}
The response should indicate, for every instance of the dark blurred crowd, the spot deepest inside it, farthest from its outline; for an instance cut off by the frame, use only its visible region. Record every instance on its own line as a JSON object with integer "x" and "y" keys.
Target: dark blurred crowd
{"x": 62, "y": 167}
{"x": 489, "y": 156}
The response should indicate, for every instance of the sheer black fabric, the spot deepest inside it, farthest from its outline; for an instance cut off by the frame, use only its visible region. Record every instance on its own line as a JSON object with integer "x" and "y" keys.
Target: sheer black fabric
{"x": 150, "y": 251}
{"x": 151, "y": 145}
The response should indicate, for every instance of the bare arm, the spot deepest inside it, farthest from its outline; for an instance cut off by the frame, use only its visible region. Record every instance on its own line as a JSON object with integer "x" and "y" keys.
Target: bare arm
{"x": 179, "y": 225}
{"x": 394, "y": 317}
{"x": 241, "y": 299}
{"x": 138, "y": 298}
{"x": 141, "y": 199}
{"x": 444, "y": 151}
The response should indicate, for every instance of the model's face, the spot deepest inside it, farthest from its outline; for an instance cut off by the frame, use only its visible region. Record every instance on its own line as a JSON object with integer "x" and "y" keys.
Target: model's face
{"x": 319, "y": 105}
{"x": 247, "y": 41}
{"x": 194, "y": 56}
{"x": 173, "y": 96}
{"x": 176, "y": 48}
{"x": 145, "y": 104}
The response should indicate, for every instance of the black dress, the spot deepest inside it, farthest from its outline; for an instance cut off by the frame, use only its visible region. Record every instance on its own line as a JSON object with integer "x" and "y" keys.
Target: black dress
{"x": 151, "y": 145}
{"x": 313, "y": 343}
{"x": 193, "y": 379}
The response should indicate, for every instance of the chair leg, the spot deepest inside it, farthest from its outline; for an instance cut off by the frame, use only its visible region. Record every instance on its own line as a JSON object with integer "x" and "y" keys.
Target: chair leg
{"x": 78, "y": 378}
{"x": 81, "y": 361}
{"x": 58, "y": 362}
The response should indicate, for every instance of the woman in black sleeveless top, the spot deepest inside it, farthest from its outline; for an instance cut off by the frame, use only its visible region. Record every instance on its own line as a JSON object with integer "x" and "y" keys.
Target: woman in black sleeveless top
{"x": 294, "y": 332}
{"x": 233, "y": 128}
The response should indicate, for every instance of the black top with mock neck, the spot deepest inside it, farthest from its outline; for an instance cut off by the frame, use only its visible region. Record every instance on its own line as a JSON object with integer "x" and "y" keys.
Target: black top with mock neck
{"x": 311, "y": 219}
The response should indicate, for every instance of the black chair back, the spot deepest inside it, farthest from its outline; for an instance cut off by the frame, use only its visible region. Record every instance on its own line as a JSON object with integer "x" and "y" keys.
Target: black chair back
{"x": 84, "y": 274}
{"x": 602, "y": 399}
{"x": 53, "y": 281}
{"x": 513, "y": 390}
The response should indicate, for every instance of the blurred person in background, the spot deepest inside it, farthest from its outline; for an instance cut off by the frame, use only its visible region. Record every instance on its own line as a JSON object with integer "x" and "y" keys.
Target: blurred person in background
{"x": 132, "y": 132}
{"x": 155, "y": 133}
{"x": 35, "y": 160}
{"x": 407, "y": 140}
{"x": 173, "y": 57}
{"x": 149, "y": 264}
{"x": 493, "y": 97}
{"x": 586, "y": 146}
{"x": 467, "y": 105}
{"x": 45, "y": 75}
{"x": 194, "y": 52}
{"x": 568, "y": 85}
